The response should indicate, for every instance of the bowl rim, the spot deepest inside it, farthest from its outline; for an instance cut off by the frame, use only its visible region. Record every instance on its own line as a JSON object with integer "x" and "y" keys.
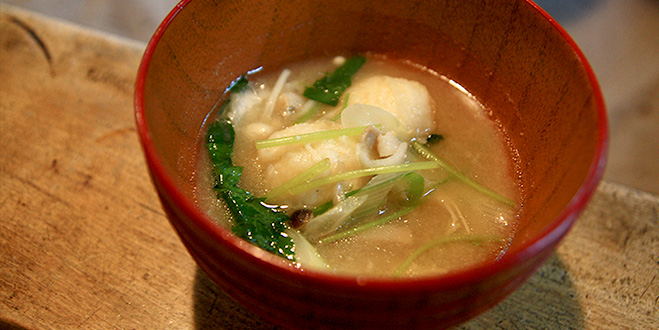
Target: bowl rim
{"x": 551, "y": 234}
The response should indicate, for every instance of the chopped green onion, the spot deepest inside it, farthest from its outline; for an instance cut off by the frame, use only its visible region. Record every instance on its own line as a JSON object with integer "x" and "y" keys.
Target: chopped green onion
{"x": 330, "y": 221}
{"x": 302, "y": 177}
{"x": 376, "y": 190}
{"x": 367, "y": 189}
{"x": 306, "y": 254}
{"x": 467, "y": 238}
{"x": 423, "y": 151}
{"x": 415, "y": 196}
{"x": 367, "y": 226}
{"x": 309, "y": 137}
{"x": 320, "y": 209}
{"x": 407, "y": 167}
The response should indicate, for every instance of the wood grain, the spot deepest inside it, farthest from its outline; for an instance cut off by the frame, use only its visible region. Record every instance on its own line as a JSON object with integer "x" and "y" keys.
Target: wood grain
{"x": 84, "y": 242}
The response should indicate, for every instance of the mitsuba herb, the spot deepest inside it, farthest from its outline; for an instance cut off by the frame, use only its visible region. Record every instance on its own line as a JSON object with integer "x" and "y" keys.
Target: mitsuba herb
{"x": 329, "y": 88}
{"x": 253, "y": 220}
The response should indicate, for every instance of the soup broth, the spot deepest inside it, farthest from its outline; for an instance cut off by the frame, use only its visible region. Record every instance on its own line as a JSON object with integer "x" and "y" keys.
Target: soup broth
{"x": 464, "y": 213}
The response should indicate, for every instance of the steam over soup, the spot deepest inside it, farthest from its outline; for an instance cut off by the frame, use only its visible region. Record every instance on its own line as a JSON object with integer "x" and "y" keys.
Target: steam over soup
{"x": 361, "y": 166}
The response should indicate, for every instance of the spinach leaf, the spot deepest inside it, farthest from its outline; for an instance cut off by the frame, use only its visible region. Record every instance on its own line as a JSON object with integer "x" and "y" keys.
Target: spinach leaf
{"x": 238, "y": 85}
{"x": 262, "y": 225}
{"x": 329, "y": 88}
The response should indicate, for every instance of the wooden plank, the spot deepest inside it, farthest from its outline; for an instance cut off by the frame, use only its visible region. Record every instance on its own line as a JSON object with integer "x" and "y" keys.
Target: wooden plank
{"x": 84, "y": 241}
{"x": 85, "y": 244}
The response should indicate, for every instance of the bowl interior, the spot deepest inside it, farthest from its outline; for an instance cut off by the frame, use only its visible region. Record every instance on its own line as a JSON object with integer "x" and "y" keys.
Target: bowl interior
{"x": 506, "y": 53}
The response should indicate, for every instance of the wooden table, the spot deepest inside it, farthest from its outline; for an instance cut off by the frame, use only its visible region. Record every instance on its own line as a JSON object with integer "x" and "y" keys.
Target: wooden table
{"x": 84, "y": 242}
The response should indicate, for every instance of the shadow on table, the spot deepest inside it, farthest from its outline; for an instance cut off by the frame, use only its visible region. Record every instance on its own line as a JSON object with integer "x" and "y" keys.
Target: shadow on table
{"x": 6, "y": 325}
{"x": 548, "y": 300}
{"x": 214, "y": 309}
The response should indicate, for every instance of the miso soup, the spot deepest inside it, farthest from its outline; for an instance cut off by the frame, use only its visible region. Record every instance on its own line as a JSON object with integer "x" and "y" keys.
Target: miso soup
{"x": 362, "y": 166}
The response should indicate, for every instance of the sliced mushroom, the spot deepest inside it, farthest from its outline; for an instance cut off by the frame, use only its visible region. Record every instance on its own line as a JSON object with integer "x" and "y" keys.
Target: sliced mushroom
{"x": 368, "y": 150}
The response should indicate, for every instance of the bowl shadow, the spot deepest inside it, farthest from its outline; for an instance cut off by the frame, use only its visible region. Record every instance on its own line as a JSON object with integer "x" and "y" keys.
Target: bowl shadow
{"x": 214, "y": 309}
{"x": 8, "y": 325}
{"x": 548, "y": 300}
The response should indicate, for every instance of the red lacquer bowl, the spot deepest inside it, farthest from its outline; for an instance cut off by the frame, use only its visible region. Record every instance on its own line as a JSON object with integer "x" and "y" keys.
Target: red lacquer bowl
{"x": 509, "y": 54}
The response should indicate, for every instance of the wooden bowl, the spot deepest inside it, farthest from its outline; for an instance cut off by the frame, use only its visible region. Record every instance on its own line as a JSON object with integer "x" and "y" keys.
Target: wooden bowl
{"x": 511, "y": 55}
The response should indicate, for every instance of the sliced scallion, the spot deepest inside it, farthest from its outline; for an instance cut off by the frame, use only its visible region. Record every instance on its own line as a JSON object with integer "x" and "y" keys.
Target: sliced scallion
{"x": 367, "y": 226}
{"x": 407, "y": 167}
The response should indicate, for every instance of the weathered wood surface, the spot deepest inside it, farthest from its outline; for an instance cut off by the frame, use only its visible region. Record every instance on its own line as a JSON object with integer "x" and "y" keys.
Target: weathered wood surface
{"x": 84, "y": 243}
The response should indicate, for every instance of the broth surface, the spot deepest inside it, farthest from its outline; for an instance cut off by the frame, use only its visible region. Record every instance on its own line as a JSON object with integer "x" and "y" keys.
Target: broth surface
{"x": 471, "y": 143}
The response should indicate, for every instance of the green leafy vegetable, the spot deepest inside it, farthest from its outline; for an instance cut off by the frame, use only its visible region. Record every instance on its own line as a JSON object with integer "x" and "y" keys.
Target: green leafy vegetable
{"x": 238, "y": 85}
{"x": 253, "y": 221}
{"x": 329, "y": 88}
